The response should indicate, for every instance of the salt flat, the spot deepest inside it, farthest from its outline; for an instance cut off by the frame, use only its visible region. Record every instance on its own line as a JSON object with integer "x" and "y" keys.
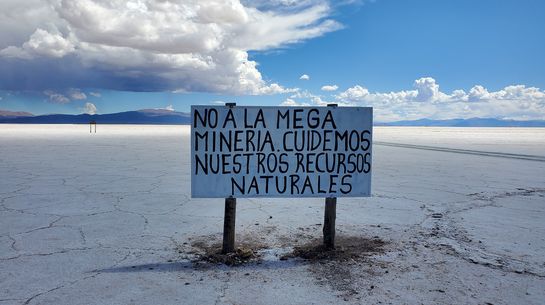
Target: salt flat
{"x": 107, "y": 218}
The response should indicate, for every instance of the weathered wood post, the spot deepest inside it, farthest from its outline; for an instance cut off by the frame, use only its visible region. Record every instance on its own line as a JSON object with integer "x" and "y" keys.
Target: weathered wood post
{"x": 329, "y": 222}
{"x": 229, "y": 225}
{"x": 330, "y": 214}
{"x": 229, "y": 217}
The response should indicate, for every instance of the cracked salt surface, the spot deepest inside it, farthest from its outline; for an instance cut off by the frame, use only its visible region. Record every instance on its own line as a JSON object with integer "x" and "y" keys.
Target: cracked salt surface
{"x": 107, "y": 218}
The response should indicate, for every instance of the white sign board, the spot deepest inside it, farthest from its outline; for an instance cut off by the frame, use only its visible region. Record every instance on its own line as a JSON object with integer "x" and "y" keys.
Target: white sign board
{"x": 280, "y": 151}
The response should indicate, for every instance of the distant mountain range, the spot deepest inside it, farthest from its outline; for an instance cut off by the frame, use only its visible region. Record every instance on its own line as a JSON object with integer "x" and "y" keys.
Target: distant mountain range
{"x": 473, "y": 122}
{"x": 14, "y": 114}
{"x": 144, "y": 116}
{"x": 167, "y": 117}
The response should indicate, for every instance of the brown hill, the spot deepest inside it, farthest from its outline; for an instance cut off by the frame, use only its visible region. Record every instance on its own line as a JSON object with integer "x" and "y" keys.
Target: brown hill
{"x": 14, "y": 114}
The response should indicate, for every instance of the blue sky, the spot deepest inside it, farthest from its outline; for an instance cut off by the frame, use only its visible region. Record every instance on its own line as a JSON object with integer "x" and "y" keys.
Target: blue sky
{"x": 408, "y": 59}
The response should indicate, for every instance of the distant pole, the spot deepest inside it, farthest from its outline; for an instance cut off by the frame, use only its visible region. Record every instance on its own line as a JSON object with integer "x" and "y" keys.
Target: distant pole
{"x": 91, "y": 123}
{"x": 229, "y": 217}
{"x": 330, "y": 214}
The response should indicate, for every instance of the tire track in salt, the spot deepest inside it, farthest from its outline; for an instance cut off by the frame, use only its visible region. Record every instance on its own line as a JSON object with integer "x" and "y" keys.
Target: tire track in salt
{"x": 465, "y": 151}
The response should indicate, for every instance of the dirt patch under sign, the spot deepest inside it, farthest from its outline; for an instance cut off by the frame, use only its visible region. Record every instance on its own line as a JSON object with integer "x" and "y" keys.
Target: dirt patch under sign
{"x": 346, "y": 248}
{"x": 208, "y": 250}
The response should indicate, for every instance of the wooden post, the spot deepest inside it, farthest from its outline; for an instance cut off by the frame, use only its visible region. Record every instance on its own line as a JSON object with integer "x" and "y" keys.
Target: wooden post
{"x": 229, "y": 225}
{"x": 329, "y": 216}
{"x": 329, "y": 222}
{"x": 229, "y": 217}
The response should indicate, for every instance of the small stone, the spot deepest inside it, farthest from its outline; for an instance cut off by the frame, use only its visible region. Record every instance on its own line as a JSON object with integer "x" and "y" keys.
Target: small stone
{"x": 245, "y": 253}
{"x": 186, "y": 283}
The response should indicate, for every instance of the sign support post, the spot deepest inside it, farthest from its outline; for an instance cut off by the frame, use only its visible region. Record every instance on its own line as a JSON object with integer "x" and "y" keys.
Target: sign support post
{"x": 329, "y": 222}
{"x": 229, "y": 225}
{"x": 330, "y": 214}
{"x": 229, "y": 217}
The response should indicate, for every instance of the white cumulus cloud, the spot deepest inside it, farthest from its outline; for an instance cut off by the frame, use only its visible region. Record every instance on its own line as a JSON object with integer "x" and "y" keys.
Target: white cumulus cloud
{"x": 64, "y": 97}
{"x": 40, "y": 43}
{"x": 478, "y": 93}
{"x": 427, "y": 101}
{"x": 292, "y": 102}
{"x": 150, "y": 45}
{"x": 427, "y": 89}
{"x": 353, "y": 94}
{"x": 330, "y": 87}
{"x": 55, "y": 97}
{"x": 76, "y": 94}
{"x": 304, "y": 77}
{"x": 90, "y": 108}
